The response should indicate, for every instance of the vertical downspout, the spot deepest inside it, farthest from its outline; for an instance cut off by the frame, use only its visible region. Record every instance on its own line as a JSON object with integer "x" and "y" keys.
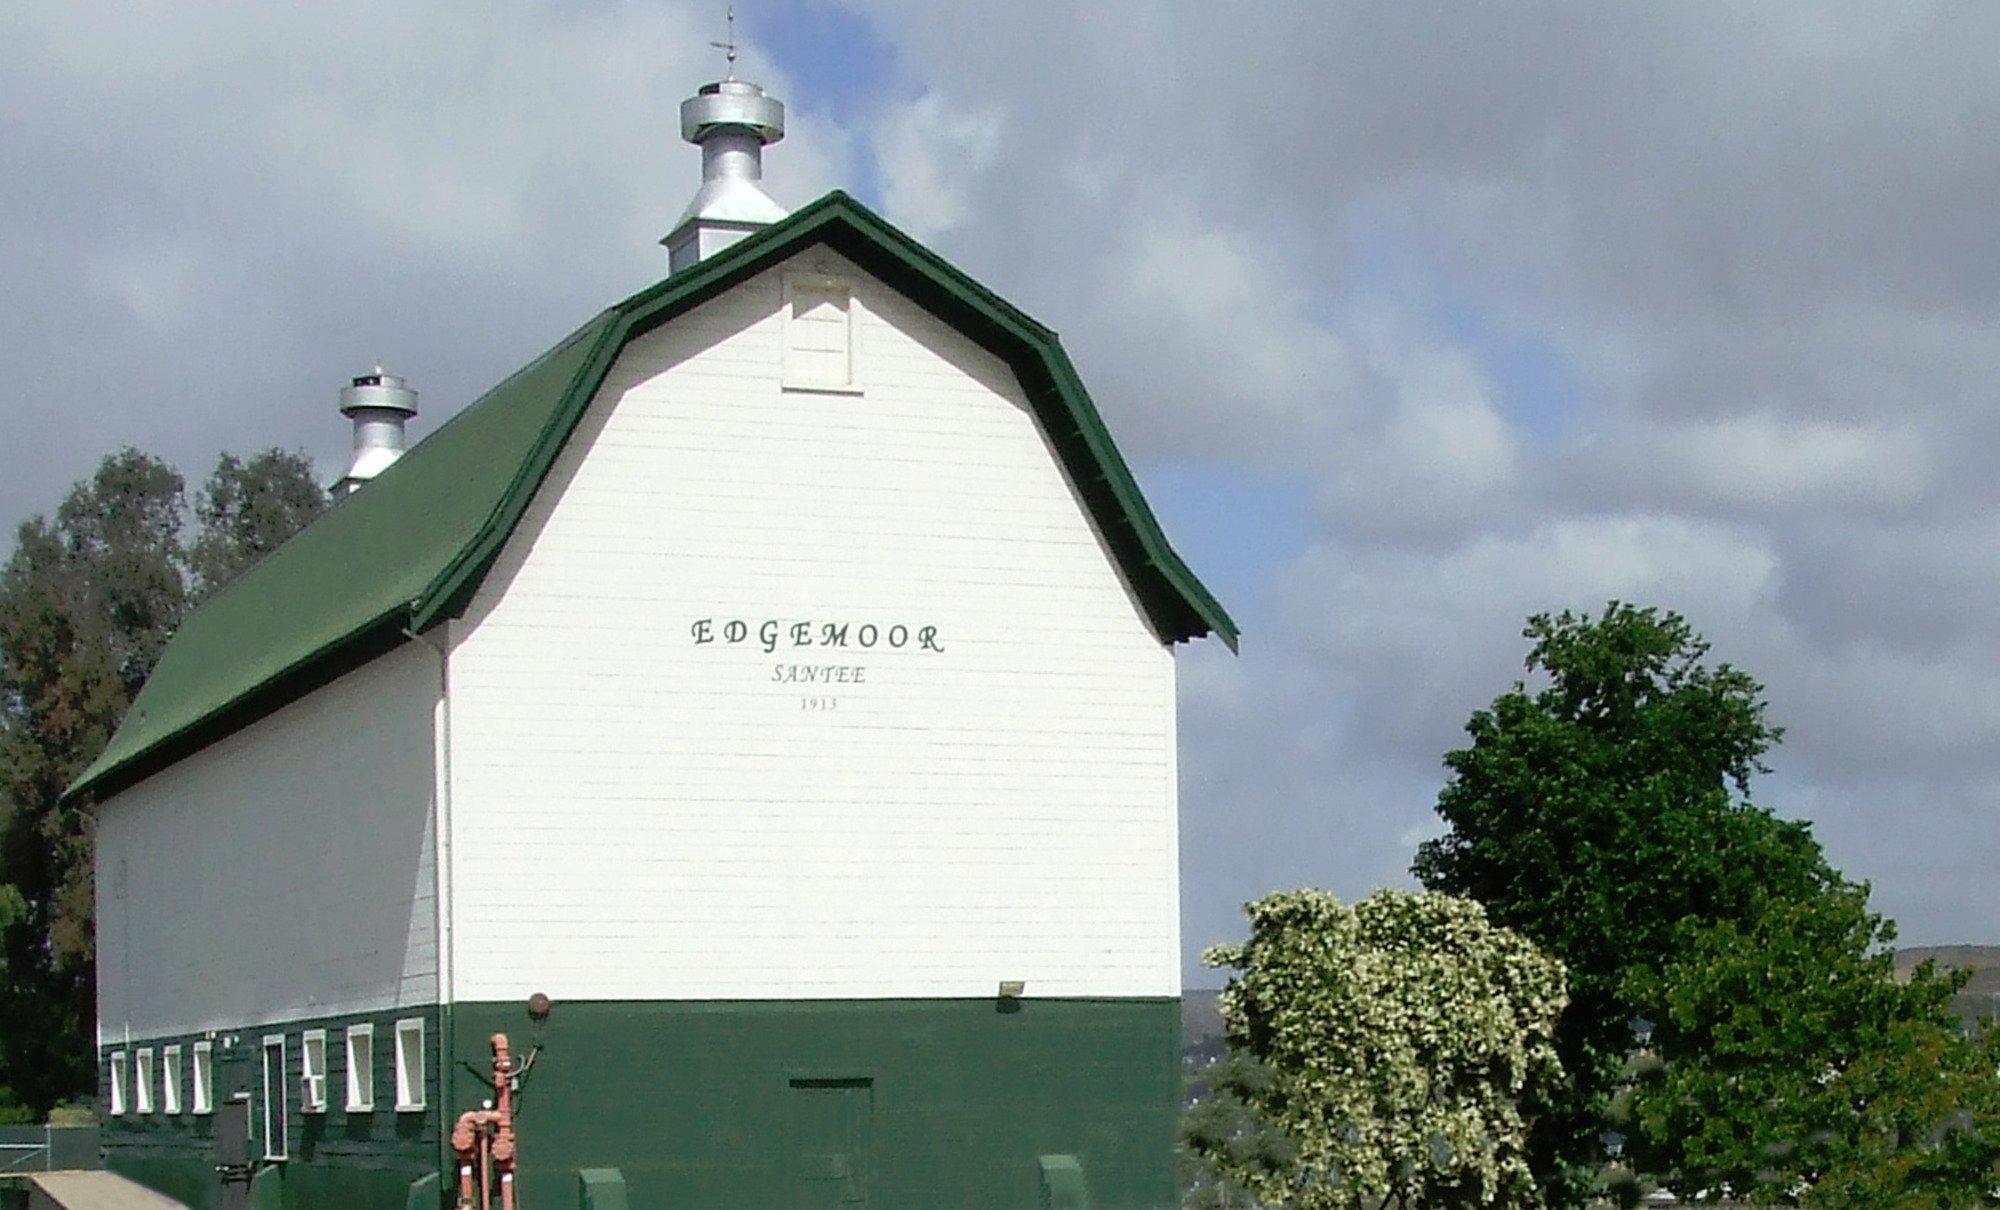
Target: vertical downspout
{"x": 1173, "y": 822}
{"x": 441, "y": 881}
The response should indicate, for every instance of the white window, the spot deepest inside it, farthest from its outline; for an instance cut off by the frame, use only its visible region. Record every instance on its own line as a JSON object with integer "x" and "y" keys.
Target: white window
{"x": 142, "y": 1081}
{"x": 170, "y": 1080}
{"x": 409, "y": 1065}
{"x": 277, "y": 1129}
{"x": 204, "y": 1077}
{"x": 312, "y": 1071}
{"x": 819, "y": 334}
{"x": 117, "y": 1082}
{"x": 360, "y": 1068}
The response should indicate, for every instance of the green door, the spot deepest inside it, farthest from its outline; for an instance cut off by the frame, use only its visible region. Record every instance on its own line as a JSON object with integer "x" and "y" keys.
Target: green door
{"x": 828, "y": 1151}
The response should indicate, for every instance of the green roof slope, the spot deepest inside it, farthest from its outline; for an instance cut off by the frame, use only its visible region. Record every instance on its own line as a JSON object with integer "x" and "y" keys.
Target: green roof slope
{"x": 409, "y": 548}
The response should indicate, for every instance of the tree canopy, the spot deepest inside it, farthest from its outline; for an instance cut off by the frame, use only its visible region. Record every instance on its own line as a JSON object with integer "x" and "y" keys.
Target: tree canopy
{"x": 1597, "y": 811}
{"x": 247, "y": 510}
{"x": 1390, "y": 1048}
{"x": 88, "y": 600}
{"x": 1794, "y": 1064}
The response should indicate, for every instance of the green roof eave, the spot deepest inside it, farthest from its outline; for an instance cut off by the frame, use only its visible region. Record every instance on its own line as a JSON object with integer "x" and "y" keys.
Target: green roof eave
{"x": 409, "y": 549}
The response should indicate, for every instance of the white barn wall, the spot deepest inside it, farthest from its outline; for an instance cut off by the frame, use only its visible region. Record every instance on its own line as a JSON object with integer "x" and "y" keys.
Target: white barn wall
{"x": 637, "y": 816}
{"x": 285, "y": 871}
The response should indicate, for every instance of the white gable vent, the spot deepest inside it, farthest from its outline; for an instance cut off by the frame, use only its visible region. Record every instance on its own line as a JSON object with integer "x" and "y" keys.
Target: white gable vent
{"x": 819, "y": 334}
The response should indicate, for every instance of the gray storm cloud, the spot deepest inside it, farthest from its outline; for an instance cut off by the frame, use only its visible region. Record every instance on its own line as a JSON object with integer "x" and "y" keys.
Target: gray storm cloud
{"x": 1757, "y": 241}
{"x": 1292, "y": 243}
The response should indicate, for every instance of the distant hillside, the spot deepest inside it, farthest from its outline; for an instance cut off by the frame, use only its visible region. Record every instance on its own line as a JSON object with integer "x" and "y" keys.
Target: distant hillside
{"x": 1201, "y": 1021}
{"x": 1981, "y": 998}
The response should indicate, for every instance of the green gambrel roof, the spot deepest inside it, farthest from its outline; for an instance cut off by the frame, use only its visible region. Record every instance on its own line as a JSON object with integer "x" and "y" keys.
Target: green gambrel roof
{"x": 409, "y": 549}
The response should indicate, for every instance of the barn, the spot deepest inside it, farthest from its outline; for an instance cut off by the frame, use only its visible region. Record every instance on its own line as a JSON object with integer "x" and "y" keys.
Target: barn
{"x": 759, "y": 709}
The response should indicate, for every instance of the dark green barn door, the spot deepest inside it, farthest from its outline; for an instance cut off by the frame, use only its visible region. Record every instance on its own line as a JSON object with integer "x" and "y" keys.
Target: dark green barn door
{"x": 232, "y": 1153}
{"x": 829, "y": 1157}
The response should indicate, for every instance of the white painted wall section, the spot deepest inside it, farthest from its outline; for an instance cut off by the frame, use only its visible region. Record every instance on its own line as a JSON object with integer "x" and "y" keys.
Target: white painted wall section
{"x": 285, "y": 871}
{"x": 638, "y": 814}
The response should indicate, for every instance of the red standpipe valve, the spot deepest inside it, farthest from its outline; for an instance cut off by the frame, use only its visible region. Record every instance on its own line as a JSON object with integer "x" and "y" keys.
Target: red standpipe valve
{"x": 483, "y": 1139}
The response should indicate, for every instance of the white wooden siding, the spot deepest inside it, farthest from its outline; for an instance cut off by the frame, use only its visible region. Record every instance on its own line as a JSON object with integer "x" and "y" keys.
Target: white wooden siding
{"x": 638, "y": 816}
{"x": 284, "y": 871}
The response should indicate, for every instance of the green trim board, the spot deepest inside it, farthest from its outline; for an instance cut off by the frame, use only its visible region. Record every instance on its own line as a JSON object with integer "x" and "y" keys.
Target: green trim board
{"x": 337, "y": 1158}
{"x": 410, "y": 548}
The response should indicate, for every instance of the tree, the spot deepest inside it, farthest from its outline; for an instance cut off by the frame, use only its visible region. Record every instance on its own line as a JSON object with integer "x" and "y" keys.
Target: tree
{"x": 247, "y": 510}
{"x": 1394, "y": 1044}
{"x": 88, "y": 601}
{"x": 12, "y": 909}
{"x": 1222, "y": 1138}
{"x": 1793, "y": 1063}
{"x": 1598, "y": 811}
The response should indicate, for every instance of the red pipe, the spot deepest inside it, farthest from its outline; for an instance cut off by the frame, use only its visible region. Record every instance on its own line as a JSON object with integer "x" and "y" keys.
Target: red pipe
{"x": 486, "y": 1137}
{"x": 503, "y": 1134}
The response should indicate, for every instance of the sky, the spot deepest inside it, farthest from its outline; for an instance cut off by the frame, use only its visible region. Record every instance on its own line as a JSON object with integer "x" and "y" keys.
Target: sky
{"x": 1413, "y": 319}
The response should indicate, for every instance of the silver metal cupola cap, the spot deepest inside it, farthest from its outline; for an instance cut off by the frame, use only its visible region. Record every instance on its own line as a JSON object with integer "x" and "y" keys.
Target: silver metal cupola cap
{"x": 731, "y": 121}
{"x": 379, "y": 404}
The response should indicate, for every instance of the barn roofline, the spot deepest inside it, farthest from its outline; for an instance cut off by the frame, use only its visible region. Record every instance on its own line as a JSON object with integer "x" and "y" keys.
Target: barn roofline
{"x": 408, "y": 551}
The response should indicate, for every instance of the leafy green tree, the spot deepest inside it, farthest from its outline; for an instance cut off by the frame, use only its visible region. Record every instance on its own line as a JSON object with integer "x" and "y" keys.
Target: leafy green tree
{"x": 246, "y": 510}
{"x": 1793, "y": 1063}
{"x": 1598, "y": 810}
{"x": 88, "y": 600}
{"x": 1222, "y": 1138}
{"x": 1395, "y": 1043}
{"x": 12, "y": 909}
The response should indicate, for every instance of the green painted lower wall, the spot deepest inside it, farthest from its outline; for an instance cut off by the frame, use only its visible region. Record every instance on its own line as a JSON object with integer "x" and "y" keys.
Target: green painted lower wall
{"x": 362, "y": 1160}
{"x": 919, "y": 1104}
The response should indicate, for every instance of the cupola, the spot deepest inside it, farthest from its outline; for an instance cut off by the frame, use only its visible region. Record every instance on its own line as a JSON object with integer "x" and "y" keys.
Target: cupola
{"x": 731, "y": 121}
{"x": 379, "y": 404}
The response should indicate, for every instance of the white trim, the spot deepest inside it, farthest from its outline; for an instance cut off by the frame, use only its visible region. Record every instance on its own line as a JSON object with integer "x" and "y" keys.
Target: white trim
{"x": 170, "y": 1079}
{"x": 409, "y": 1077}
{"x": 203, "y": 1072}
{"x": 1170, "y": 829}
{"x": 142, "y": 1080}
{"x": 283, "y": 1149}
{"x": 365, "y": 1073}
{"x": 117, "y": 1084}
{"x": 441, "y": 813}
{"x": 312, "y": 1084}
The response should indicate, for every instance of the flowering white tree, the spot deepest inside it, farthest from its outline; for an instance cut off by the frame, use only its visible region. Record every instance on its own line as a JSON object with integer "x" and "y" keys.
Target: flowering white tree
{"x": 1393, "y": 1043}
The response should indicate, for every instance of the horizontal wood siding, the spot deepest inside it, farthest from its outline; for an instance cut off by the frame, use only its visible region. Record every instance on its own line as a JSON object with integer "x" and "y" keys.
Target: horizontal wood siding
{"x": 284, "y": 872}
{"x": 340, "y": 1159}
{"x": 637, "y": 815}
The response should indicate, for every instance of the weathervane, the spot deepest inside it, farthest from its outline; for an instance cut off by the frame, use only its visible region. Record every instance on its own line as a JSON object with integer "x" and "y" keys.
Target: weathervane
{"x": 728, "y": 47}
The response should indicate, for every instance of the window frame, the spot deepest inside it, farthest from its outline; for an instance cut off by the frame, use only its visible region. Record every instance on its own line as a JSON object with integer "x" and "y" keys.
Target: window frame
{"x": 312, "y": 1085}
{"x": 279, "y": 1102}
{"x": 201, "y": 1068}
{"x": 170, "y": 1080}
{"x": 410, "y": 1099}
{"x": 142, "y": 1081}
{"x": 365, "y": 1072}
{"x": 117, "y": 1085}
